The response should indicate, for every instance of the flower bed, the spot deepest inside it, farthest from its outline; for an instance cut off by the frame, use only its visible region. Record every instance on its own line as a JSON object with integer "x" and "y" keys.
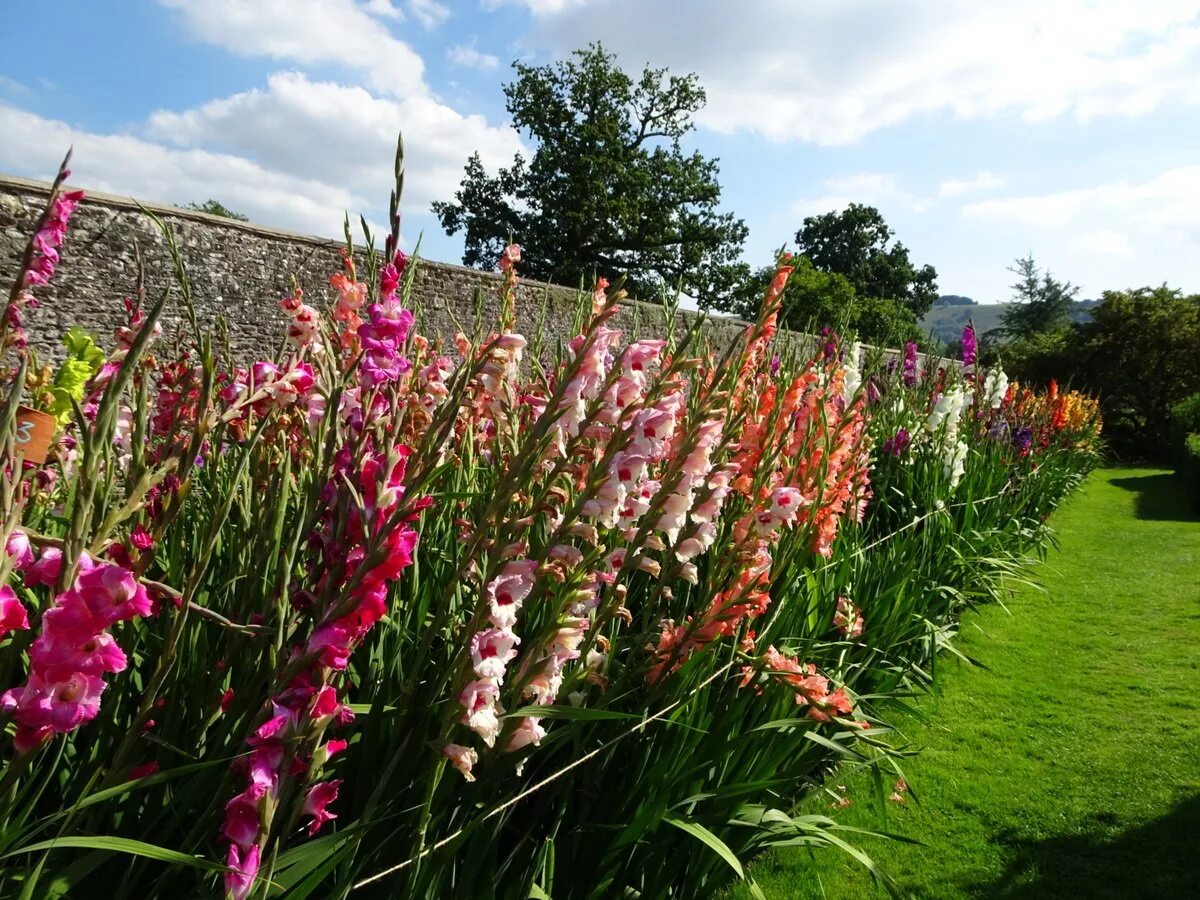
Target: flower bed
{"x": 491, "y": 619}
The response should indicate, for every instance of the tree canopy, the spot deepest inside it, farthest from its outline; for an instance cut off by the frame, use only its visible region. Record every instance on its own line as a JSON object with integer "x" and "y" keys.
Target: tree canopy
{"x": 814, "y": 298}
{"x": 1041, "y": 303}
{"x": 855, "y": 243}
{"x": 609, "y": 188}
{"x": 216, "y": 208}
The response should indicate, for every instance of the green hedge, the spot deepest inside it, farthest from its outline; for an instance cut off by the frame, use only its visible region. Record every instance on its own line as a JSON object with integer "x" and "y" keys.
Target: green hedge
{"x": 1189, "y": 467}
{"x": 1185, "y": 420}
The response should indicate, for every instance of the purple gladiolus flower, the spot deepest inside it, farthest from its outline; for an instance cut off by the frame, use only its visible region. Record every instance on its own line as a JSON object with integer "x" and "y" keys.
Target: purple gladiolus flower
{"x": 969, "y": 347}
{"x": 897, "y": 444}
{"x": 910, "y": 364}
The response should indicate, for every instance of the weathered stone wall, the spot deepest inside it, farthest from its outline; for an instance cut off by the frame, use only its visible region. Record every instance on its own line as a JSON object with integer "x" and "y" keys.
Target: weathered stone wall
{"x": 239, "y": 271}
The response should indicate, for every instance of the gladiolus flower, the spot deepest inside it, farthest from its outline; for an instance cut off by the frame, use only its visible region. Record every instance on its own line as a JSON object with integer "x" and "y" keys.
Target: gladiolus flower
{"x": 462, "y": 758}
{"x": 242, "y": 820}
{"x": 242, "y": 872}
{"x": 491, "y": 651}
{"x": 316, "y": 804}
{"x": 482, "y": 709}
{"x": 528, "y": 732}
{"x": 13, "y": 615}
{"x": 17, "y": 546}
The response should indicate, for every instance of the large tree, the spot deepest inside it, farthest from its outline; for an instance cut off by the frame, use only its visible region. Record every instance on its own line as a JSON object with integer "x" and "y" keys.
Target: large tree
{"x": 856, "y": 243}
{"x": 609, "y": 189}
{"x": 814, "y": 298}
{"x": 1041, "y": 303}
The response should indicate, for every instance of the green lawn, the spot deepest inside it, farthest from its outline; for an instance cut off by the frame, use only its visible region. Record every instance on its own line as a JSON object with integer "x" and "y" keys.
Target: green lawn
{"x": 1070, "y": 767}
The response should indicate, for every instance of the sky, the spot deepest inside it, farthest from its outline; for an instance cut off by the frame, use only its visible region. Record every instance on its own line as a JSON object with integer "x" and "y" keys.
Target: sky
{"x": 1069, "y": 129}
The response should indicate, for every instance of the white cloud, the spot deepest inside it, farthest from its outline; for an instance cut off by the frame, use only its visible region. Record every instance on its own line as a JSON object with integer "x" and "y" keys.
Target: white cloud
{"x": 124, "y": 164}
{"x": 339, "y": 32}
{"x": 1111, "y": 235}
{"x": 879, "y": 189}
{"x": 384, "y": 9}
{"x": 832, "y": 72}
{"x": 429, "y": 13}
{"x": 980, "y": 183}
{"x": 1164, "y": 210}
{"x": 537, "y": 7}
{"x": 1104, "y": 242}
{"x": 467, "y": 55}
{"x": 296, "y": 153}
{"x": 323, "y": 130}
{"x": 12, "y": 86}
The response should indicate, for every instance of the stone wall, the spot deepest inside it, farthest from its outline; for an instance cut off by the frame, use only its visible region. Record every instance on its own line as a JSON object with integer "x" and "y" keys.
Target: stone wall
{"x": 238, "y": 271}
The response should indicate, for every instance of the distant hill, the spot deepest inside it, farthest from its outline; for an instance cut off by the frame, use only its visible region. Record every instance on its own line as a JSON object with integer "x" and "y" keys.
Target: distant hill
{"x": 947, "y": 321}
{"x": 954, "y": 300}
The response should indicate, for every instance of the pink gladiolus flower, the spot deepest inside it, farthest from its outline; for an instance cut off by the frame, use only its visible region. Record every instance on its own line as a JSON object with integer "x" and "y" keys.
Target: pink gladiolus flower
{"x": 242, "y": 872}
{"x": 46, "y": 570}
{"x": 491, "y": 651}
{"x": 332, "y": 641}
{"x": 482, "y": 715}
{"x": 317, "y": 802}
{"x": 58, "y": 655}
{"x": 334, "y": 746}
{"x": 510, "y": 257}
{"x": 13, "y": 615}
{"x": 63, "y": 705}
{"x": 528, "y": 732}
{"x": 325, "y": 703}
{"x": 508, "y": 590}
{"x": 143, "y": 770}
{"x": 847, "y": 619}
{"x": 112, "y": 593}
{"x": 242, "y": 820}
{"x": 462, "y": 758}
{"x": 17, "y": 546}
{"x": 140, "y": 538}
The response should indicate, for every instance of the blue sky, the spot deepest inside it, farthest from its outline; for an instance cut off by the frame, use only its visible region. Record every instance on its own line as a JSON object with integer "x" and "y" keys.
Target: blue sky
{"x": 1068, "y": 128}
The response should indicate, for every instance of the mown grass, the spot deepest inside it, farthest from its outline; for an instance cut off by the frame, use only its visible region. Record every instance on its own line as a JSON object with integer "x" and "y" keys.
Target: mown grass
{"x": 1070, "y": 766}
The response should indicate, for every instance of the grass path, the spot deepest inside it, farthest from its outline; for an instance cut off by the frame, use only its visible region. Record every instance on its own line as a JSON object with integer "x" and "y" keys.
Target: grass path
{"x": 1070, "y": 767}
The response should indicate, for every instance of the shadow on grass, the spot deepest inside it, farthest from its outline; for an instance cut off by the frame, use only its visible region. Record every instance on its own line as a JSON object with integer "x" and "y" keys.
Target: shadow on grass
{"x": 1161, "y": 497}
{"x": 1156, "y": 860}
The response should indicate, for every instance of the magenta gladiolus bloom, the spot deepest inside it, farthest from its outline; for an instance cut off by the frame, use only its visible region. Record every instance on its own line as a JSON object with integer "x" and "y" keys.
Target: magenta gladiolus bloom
{"x": 113, "y": 594}
{"x": 17, "y": 546}
{"x": 910, "y": 364}
{"x": 242, "y": 872}
{"x": 969, "y": 347}
{"x": 13, "y": 615}
{"x": 45, "y": 571}
{"x": 316, "y": 804}
{"x": 241, "y": 816}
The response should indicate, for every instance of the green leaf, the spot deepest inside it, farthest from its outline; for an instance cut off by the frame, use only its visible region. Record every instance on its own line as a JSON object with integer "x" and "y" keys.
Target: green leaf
{"x": 575, "y": 713}
{"x": 714, "y": 843}
{"x": 121, "y": 845}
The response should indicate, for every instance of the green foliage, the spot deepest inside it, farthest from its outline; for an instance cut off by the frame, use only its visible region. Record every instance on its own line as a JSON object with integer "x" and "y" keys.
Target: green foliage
{"x": 1050, "y": 773}
{"x": 1041, "y": 303}
{"x": 1189, "y": 468}
{"x": 854, "y": 243}
{"x": 609, "y": 189}
{"x": 1139, "y": 351}
{"x": 1185, "y": 415}
{"x": 1037, "y": 358}
{"x": 84, "y": 360}
{"x": 814, "y": 298}
{"x": 216, "y": 208}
